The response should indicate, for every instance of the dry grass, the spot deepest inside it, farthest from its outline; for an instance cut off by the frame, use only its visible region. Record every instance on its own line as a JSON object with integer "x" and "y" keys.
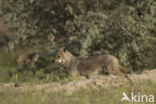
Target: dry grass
{"x": 96, "y": 90}
{"x": 100, "y": 95}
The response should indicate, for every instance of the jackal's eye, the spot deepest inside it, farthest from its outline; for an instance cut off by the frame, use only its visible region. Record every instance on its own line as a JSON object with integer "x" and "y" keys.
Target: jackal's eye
{"x": 58, "y": 56}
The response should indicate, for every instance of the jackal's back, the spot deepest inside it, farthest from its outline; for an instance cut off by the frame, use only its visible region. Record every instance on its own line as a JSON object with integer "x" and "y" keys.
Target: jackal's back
{"x": 98, "y": 64}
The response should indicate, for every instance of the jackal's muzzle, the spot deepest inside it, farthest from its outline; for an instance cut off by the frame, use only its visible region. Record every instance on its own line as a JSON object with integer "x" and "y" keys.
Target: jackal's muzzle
{"x": 57, "y": 61}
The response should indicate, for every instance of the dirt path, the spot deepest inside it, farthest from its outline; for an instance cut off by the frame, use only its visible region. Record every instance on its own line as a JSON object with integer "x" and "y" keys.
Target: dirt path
{"x": 69, "y": 87}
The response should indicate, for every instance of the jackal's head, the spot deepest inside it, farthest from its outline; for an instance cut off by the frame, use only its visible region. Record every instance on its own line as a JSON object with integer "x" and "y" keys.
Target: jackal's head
{"x": 61, "y": 56}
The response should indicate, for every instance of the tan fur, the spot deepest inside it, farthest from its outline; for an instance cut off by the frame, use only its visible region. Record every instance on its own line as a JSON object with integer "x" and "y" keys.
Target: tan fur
{"x": 92, "y": 65}
{"x": 27, "y": 59}
{"x": 123, "y": 69}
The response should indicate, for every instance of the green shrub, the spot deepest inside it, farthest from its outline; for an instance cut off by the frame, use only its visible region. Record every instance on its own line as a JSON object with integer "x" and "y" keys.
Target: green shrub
{"x": 125, "y": 29}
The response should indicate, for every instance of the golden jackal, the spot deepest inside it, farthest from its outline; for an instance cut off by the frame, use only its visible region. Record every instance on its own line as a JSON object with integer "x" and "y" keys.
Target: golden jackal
{"x": 88, "y": 66}
{"x": 27, "y": 59}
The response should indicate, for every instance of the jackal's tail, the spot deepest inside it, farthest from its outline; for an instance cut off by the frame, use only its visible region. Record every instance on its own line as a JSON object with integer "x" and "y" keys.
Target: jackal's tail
{"x": 126, "y": 76}
{"x": 124, "y": 71}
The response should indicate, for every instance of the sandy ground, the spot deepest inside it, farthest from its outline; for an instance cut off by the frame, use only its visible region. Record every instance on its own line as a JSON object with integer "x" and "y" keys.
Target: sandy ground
{"x": 82, "y": 82}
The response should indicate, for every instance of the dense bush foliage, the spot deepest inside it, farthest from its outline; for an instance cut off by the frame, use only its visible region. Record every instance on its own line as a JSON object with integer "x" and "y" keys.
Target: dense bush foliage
{"x": 125, "y": 29}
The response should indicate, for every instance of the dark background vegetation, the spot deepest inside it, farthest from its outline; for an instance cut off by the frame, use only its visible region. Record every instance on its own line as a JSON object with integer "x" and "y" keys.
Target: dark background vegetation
{"x": 123, "y": 28}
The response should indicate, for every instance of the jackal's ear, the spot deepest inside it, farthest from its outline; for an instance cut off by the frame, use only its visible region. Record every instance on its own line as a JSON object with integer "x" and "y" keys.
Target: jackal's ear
{"x": 64, "y": 50}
